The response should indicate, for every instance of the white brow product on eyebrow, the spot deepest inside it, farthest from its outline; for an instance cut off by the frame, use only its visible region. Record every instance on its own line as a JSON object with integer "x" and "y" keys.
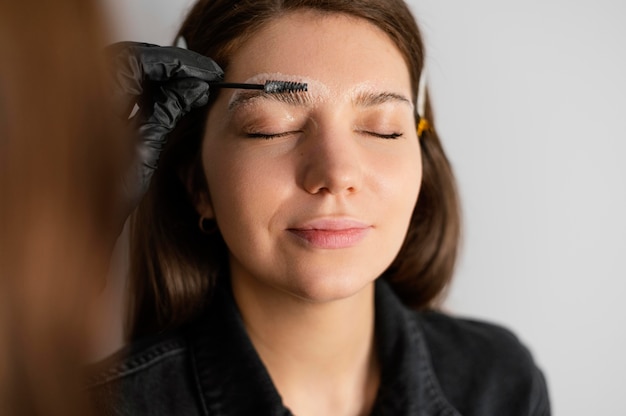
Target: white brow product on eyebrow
{"x": 270, "y": 87}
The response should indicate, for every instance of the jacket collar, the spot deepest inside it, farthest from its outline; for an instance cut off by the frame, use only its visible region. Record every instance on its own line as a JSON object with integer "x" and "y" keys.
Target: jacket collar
{"x": 233, "y": 380}
{"x": 408, "y": 383}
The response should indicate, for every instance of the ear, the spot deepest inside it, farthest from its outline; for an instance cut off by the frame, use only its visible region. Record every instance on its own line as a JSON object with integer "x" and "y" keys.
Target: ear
{"x": 202, "y": 202}
{"x": 198, "y": 190}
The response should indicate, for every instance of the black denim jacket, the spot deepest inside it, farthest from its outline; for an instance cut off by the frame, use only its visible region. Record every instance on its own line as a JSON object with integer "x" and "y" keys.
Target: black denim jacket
{"x": 432, "y": 364}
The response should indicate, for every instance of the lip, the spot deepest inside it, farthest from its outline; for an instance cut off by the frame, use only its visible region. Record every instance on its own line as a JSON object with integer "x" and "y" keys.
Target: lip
{"x": 331, "y": 233}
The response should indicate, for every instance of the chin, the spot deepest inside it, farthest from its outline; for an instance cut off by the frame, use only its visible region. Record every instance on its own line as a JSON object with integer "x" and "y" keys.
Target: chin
{"x": 329, "y": 288}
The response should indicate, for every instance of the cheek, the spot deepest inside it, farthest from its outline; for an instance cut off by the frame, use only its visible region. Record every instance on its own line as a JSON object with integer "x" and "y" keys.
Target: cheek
{"x": 416, "y": 174}
{"x": 244, "y": 185}
{"x": 406, "y": 185}
{"x": 400, "y": 176}
{"x": 410, "y": 188}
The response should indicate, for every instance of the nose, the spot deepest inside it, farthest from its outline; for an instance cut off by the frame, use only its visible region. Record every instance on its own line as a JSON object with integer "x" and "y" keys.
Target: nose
{"x": 331, "y": 163}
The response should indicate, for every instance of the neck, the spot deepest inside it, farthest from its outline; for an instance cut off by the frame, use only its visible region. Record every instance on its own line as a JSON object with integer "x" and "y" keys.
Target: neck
{"x": 321, "y": 356}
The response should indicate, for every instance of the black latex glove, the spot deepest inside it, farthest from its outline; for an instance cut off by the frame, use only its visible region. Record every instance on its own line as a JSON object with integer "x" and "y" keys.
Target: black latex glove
{"x": 165, "y": 83}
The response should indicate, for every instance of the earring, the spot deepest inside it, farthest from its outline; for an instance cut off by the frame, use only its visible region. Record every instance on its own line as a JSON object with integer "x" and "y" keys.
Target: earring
{"x": 202, "y": 224}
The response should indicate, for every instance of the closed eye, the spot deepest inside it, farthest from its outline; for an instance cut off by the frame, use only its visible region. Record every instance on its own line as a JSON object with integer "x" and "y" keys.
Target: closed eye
{"x": 269, "y": 136}
{"x": 383, "y": 135}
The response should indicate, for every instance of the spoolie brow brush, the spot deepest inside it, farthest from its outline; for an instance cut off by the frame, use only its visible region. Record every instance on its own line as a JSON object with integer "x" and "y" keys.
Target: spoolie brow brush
{"x": 270, "y": 87}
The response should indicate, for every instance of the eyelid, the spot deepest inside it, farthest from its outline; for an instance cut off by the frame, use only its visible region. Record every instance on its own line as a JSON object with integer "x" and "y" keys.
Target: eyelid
{"x": 269, "y": 136}
{"x": 263, "y": 119}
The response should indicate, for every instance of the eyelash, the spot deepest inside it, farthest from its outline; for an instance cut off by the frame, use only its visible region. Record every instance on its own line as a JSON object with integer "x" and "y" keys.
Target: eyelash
{"x": 269, "y": 136}
{"x": 390, "y": 136}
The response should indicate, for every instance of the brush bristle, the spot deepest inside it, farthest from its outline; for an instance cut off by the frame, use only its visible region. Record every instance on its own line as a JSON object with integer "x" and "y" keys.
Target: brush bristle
{"x": 277, "y": 87}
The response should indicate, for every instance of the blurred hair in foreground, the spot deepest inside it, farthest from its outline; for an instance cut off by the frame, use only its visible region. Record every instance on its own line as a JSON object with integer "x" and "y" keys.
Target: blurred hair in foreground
{"x": 58, "y": 158}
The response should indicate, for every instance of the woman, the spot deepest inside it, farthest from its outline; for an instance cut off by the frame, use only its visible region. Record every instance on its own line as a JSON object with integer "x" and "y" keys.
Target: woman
{"x": 288, "y": 240}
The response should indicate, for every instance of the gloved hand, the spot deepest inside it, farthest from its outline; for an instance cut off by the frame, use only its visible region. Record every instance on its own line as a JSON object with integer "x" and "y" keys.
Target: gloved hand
{"x": 165, "y": 83}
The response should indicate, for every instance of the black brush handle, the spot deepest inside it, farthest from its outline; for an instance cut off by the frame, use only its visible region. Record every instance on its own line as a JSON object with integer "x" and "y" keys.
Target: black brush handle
{"x": 238, "y": 85}
{"x": 270, "y": 87}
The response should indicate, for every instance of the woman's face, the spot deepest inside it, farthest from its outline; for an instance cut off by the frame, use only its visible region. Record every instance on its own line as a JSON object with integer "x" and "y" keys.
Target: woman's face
{"x": 313, "y": 191}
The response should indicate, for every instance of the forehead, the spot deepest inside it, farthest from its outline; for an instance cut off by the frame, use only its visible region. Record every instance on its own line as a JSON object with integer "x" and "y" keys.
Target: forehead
{"x": 337, "y": 50}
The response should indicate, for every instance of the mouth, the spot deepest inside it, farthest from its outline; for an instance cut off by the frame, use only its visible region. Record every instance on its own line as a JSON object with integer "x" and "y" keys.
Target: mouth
{"x": 331, "y": 233}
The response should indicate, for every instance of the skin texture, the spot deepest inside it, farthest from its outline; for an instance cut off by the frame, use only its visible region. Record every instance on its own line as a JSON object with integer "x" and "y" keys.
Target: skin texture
{"x": 313, "y": 214}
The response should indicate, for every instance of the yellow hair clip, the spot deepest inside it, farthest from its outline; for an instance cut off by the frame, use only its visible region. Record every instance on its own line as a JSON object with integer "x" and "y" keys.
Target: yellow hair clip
{"x": 422, "y": 126}
{"x": 421, "y": 105}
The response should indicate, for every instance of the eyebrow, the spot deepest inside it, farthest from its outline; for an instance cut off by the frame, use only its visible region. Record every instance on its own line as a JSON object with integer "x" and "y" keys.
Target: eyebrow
{"x": 291, "y": 98}
{"x": 369, "y": 99}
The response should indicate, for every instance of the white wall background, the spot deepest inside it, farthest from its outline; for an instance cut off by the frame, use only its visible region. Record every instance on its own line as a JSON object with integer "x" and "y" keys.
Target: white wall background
{"x": 531, "y": 105}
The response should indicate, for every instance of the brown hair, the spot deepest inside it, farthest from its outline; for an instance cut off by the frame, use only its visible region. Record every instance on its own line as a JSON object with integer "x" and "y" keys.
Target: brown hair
{"x": 175, "y": 266}
{"x": 58, "y": 161}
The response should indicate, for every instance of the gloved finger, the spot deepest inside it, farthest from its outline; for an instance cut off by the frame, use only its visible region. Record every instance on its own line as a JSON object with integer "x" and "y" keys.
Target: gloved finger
{"x": 166, "y": 103}
{"x": 169, "y": 62}
{"x": 169, "y": 103}
{"x": 136, "y": 63}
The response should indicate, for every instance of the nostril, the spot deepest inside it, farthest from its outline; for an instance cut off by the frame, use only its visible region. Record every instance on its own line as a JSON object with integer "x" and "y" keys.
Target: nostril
{"x": 328, "y": 183}
{"x": 330, "y": 164}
